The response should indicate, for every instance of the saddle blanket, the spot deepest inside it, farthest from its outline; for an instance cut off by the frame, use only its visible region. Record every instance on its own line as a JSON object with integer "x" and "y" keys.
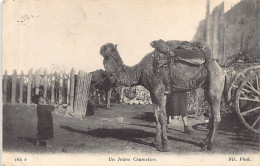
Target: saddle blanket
{"x": 183, "y": 50}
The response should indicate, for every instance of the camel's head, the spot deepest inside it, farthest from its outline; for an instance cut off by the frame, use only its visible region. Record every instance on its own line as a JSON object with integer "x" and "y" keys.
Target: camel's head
{"x": 113, "y": 64}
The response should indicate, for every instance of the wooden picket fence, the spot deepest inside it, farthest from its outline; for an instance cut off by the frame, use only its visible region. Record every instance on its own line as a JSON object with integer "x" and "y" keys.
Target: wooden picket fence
{"x": 69, "y": 89}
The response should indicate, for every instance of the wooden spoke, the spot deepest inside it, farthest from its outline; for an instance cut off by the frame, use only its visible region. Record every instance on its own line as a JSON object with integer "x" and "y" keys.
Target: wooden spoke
{"x": 247, "y": 91}
{"x": 257, "y": 82}
{"x": 249, "y": 85}
{"x": 256, "y": 121}
{"x": 243, "y": 98}
{"x": 251, "y": 110}
{"x": 244, "y": 95}
{"x": 235, "y": 86}
{"x": 247, "y": 97}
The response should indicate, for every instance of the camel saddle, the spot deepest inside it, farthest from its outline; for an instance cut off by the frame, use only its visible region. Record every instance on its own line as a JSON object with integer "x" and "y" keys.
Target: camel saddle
{"x": 193, "y": 53}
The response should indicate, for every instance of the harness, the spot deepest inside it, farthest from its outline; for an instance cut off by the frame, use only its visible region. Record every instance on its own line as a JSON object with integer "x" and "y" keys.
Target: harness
{"x": 168, "y": 57}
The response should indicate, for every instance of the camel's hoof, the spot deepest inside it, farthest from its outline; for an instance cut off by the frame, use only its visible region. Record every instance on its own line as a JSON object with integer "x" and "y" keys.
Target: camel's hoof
{"x": 156, "y": 144}
{"x": 167, "y": 128}
{"x": 187, "y": 130}
{"x": 205, "y": 146}
{"x": 165, "y": 149}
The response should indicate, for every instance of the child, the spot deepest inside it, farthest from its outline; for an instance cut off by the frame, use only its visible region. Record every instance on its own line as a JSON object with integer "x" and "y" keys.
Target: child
{"x": 176, "y": 105}
{"x": 45, "y": 122}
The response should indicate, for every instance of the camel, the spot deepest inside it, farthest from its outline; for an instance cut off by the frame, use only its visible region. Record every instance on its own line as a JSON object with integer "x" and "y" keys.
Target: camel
{"x": 102, "y": 82}
{"x": 184, "y": 77}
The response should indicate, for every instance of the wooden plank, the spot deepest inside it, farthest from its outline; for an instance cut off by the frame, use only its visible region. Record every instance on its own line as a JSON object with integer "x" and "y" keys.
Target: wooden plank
{"x": 221, "y": 33}
{"x": 29, "y": 86}
{"x": 13, "y": 94}
{"x": 52, "y": 88}
{"x": 72, "y": 84}
{"x": 80, "y": 109}
{"x": 45, "y": 84}
{"x": 37, "y": 82}
{"x": 81, "y": 95}
{"x": 208, "y": 22}
{"x": 82, "y": 106}
{"x": 88, "y": 89}
{"x": 76, "y": 110}
{"x": 87, "y": 79}
{"x": 5, "y": 88}
{"x": 60, "y": 88}
{"x": 21, "y": 88}
{"x": 216, "y": 35}
{"x": 68, "y": 91}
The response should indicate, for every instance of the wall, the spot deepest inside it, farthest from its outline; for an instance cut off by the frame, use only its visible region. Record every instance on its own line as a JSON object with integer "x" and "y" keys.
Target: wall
{"x": 240, "y": 35}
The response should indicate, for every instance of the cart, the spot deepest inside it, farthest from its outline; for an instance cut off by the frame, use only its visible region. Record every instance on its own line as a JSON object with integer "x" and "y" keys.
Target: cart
{"x": 244, "y": 94}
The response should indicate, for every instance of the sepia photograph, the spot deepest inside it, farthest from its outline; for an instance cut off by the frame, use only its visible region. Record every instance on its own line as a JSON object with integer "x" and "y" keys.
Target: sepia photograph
{"x": 130, "y": 82}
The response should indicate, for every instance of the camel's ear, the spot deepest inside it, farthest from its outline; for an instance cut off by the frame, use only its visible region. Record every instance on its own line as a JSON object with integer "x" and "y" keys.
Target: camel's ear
{"x": 116, "y": 46}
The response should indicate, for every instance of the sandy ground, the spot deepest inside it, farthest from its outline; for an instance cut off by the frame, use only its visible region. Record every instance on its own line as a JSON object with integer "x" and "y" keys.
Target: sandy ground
{"x": 125, "y": 128}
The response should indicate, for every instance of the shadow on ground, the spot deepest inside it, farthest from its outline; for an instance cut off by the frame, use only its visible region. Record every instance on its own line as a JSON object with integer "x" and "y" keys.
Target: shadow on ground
{"x": 124, "y": 134}
{"x": 30, "y": 140}
{"x": 146, "y": 116}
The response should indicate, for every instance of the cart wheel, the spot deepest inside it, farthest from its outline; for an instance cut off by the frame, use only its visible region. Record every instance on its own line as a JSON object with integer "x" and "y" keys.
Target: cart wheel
{"x": 236, "y": 82}
{"x": 247, "y": 103}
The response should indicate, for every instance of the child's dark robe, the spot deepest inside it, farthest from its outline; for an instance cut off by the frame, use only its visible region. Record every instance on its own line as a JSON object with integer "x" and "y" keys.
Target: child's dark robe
{"x": 45, "y": 122}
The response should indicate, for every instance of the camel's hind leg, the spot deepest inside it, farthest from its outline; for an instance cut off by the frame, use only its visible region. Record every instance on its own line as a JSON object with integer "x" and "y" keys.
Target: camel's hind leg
{"x": 216, "y": 80}
{"x": 108, "y": 97}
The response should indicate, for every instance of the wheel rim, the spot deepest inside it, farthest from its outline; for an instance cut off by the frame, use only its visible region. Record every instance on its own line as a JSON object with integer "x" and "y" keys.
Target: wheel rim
{"x": 248, "y": 101}
{"x": 236, "y": 82}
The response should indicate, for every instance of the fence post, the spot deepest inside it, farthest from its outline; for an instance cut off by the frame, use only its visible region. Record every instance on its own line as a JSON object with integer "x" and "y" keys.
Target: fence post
{"x": 45, "y": 84}
{"x": 72, "y": 81}
{"x": 21, "y": 88}
{"x": 67, "y": 85}
{"x": 60, "y": 88}
{"x": 37, "y": 82}
{"x": 52, "y": 88}
{"x": 13, "y": 94}
{"x": 29, "y": 87}
{"x": 76, "y": 102}
{"x": 5, "y": 88}
{"x": 65, "y": 89}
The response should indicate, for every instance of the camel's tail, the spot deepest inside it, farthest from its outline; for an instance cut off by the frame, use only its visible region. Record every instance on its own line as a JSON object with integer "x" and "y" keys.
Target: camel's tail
{"x": 225, "y": 90}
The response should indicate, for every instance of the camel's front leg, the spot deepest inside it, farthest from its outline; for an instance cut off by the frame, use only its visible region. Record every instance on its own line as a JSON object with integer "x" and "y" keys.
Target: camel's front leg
{"x": 159, "y": 101}
{"x": 158, "y": 141}
{"x": 108, "y": 97}
{"x": 163, "y": 121}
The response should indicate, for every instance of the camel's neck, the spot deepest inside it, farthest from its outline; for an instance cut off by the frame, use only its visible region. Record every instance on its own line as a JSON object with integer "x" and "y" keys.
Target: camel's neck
{"x": 131, "y": 75}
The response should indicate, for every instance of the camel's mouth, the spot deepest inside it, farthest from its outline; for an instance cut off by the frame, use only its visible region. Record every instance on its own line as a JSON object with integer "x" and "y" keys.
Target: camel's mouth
{"x": 108, "y": 49}
{"x": 114, "y": 64}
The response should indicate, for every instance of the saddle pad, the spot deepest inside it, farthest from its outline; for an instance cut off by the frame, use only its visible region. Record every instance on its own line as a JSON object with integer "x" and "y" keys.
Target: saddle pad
{"x": 203, "y": 54}
{"x": 174, "y": 44}
{"x": 193, "y": 49}
{"x": 194, "y": 61}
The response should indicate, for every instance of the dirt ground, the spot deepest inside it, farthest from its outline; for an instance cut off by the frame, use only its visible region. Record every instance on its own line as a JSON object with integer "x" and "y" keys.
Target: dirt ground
{"x": 125, "y": 128}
